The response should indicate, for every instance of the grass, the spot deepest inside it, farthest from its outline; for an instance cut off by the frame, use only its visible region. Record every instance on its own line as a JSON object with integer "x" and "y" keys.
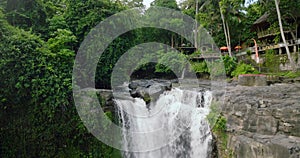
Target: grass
{"x": 286, "y": 74}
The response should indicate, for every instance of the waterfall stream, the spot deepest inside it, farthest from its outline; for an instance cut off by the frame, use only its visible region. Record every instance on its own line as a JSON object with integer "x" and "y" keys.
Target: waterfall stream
{"x": 174, "y": 126}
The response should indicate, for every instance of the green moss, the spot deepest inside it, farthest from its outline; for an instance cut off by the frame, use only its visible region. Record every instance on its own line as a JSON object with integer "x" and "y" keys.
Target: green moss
{"x": 219, "y": 131}
{"x": 147, "y": 98}
{"x": 109, "y": 115}
{"x": 214, "y": 113}
{"x": 218, "y": 124}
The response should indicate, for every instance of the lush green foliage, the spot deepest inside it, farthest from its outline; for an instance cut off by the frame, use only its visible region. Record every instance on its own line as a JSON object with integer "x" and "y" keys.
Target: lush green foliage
{"x": 220, "y": 132}
{"x": 214, "y": 113}
{"x": 230, "y": 64}
{"x": 292, "y": 74}
{"x": 199, "y": 67}
{"x": 175, "y": 61}
{"x": 219, "y": 128}
{"x": 272, "y": 61}
{"x": 220, "y": 125}
{"x": 287, "y": 74}
{"x": 243, "y": 68}
{"x": 39, "y": 40}
{"x": 165, "y": 3}
{"x": 36, "y": 94}
{"x": 217, "y": 67}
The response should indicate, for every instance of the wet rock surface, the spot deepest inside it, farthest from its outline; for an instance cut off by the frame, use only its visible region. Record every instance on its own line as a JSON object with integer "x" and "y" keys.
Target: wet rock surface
{"x": 148, "y": 90}
{"x": 263, "y": 121}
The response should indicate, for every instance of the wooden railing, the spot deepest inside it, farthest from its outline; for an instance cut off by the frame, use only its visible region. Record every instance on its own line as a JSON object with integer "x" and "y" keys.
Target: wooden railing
{"x": 262, "y": 47}
{"x": 207, "y": 56}
{"x": 267, "y": 33}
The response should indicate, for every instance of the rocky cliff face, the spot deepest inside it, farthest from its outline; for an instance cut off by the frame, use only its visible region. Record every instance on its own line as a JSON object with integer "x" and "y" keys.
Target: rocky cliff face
{"x": 263, "y": 122}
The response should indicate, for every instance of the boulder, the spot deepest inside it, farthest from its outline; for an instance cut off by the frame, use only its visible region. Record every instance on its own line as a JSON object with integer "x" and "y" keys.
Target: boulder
{"x": 252, "y": 80}
{"x": 148, "y": 90}
{"x": 262, "y": 146}
{"x": 263, "y": 121}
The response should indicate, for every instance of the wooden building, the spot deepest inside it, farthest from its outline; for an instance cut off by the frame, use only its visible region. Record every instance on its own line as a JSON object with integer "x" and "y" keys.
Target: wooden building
{"x": 270, "y": 38}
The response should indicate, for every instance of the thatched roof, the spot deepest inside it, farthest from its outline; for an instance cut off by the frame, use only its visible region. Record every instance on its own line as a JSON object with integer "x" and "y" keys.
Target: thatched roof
{"x": 262, "y": 19}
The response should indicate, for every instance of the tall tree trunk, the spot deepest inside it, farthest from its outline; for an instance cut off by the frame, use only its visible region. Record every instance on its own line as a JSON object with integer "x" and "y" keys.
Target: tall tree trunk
{"x": 229, "y": 39}
{"x": 283, "y": 37}
{"x": 225, "y": 30}
{"x": 196, "y": 27}
{"x": 172, "y": 40}
{"x": 293, "y": 35}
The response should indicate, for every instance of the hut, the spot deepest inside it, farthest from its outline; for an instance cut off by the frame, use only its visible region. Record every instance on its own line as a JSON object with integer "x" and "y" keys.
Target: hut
{"x": 269, "y": 37}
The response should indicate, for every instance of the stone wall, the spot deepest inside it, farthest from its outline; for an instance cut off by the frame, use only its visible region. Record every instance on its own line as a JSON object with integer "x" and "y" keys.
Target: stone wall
{"x": 263, "y": 122}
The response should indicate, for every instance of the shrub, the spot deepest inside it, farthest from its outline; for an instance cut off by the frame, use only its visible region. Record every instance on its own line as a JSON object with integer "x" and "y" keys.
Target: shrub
{"x": 220, "y": 125}
{"x": 230, "y": 64}
{"x": 243, "y": 68}
{"x": 272, "y": 61}
{"x": 170, "y": 61}
{"x": 199, "y": 67}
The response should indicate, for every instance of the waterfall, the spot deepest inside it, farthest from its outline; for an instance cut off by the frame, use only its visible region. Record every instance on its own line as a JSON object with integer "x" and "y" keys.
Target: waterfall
{"x": 174, "y": 126}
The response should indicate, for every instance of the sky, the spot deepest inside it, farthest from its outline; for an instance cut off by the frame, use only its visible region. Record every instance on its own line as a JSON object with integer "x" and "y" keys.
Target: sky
{"x": 147, "y": 2}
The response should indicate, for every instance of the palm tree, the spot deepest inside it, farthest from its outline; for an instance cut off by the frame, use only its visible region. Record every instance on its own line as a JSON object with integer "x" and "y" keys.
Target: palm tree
{"x": 228, "y": 10}
{"x": 198, "y": 5}
{"x": 226, "y": 32}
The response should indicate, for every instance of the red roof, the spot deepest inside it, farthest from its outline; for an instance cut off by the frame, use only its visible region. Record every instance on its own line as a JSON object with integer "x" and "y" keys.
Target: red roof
{"x": 223, "y": 48}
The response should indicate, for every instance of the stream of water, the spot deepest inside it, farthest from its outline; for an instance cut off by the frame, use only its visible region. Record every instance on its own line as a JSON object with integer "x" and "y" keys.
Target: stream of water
{"x": 173, "y": 126}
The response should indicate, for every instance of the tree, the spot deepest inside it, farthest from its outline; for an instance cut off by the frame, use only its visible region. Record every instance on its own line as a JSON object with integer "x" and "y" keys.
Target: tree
{"x": 29, "y": 14}
{"x": 36, "y": 93}
{"x": 229, "y": 9}
{"x": 133, "y": 3}
{"x": 226, "y": 32}
{"x": 172, "y": 4}
{"x": 160, "y": 35}
{"x": 211, "y": 18}
{"x": 289, "y": 12}
{"x": 253, "y": 12}
{"x": 283, "y": 37}
{"x": 82, "y": 16}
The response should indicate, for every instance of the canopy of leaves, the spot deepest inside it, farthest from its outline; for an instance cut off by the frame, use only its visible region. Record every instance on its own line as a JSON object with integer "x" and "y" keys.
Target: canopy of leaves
{"x": 39, "y": 40}
{"x": 38, "y": 115}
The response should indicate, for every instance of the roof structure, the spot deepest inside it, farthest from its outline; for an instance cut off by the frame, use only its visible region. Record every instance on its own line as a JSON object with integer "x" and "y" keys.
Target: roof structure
{"x": 263, "y": 18}
{"x": 262, "y": 21}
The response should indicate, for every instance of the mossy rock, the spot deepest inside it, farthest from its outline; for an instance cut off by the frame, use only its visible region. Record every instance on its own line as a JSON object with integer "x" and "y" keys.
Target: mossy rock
{"x": 147, "y": 98}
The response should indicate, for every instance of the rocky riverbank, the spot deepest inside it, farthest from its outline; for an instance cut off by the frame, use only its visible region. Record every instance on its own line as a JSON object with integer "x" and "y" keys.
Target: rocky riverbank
{"x": 263, "y": 121}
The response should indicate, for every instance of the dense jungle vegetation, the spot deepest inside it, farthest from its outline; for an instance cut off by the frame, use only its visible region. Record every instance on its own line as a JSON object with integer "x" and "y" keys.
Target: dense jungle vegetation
{"x": 39, "y": 40}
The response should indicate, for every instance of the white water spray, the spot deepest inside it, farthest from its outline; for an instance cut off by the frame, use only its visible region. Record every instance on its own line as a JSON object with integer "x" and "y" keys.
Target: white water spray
{"x": 175, "y": 126}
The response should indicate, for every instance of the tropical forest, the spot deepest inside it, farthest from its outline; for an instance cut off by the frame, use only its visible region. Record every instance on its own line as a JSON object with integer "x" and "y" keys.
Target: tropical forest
{"x": 150, "y": 78}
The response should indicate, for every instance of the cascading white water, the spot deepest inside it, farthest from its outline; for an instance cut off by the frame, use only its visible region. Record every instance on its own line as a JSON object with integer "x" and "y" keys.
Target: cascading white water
{"x": 174, "y": 126}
